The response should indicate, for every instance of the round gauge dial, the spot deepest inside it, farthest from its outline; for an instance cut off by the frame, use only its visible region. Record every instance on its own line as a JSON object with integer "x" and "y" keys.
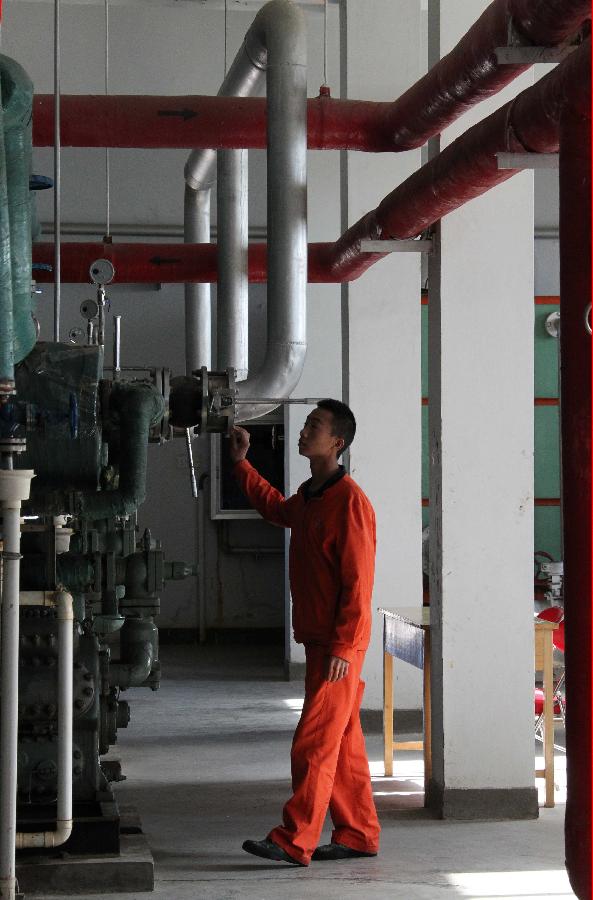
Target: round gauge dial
{"x": 102, "y": 271}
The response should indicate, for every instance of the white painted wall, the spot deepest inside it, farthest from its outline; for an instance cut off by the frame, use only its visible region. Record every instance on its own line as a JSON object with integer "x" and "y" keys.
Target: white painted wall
{"x": 383, "y": 56}
{"x": 482, "y": 509}
{"x": 178, "y": 48}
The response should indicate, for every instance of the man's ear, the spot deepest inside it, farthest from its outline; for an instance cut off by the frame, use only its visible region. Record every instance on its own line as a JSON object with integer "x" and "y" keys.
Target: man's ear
{"x": 339, "y": 445}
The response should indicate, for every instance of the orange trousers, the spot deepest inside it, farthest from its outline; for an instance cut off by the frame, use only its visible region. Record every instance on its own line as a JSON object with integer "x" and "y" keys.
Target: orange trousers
{"x": 329, "y": 765}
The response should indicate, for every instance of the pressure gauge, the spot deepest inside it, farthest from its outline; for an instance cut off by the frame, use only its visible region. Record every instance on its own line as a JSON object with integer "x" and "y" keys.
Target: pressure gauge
{"x": 89, "y": 309}
{"x": 102, "y": 271}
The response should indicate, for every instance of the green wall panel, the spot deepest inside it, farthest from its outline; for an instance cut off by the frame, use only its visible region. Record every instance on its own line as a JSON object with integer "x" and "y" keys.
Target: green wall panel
{"x": 548, "y": 530}
{"x": 547, "y": 452}
{"x": 546, "y": 431}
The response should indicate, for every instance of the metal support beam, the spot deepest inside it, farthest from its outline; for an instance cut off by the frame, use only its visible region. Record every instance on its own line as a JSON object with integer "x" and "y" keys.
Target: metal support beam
{"x": 527, "y": 160}
{"x": 423, "y": 245}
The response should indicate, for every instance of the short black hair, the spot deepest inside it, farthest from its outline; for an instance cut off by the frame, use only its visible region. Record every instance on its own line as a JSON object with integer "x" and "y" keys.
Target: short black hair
{"x": 344, "y": 423}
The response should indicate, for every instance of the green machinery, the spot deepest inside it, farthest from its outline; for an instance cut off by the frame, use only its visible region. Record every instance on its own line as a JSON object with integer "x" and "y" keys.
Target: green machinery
{"x": 84, "y": 432}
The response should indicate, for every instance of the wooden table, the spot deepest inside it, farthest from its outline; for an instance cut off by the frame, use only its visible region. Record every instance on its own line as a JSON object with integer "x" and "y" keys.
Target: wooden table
{"x": 410, "y": 641}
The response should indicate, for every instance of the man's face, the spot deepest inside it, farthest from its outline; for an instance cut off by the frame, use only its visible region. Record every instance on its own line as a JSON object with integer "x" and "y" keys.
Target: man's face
{"x": 316, "y": 438}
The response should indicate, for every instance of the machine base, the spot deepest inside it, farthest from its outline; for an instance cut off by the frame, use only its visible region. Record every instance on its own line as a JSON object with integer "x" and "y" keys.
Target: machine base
{"x": 66, "y": 872}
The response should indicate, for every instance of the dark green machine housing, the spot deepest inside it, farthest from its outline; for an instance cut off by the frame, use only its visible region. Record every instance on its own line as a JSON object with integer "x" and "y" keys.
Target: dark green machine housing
{"x": 86, "y": 439}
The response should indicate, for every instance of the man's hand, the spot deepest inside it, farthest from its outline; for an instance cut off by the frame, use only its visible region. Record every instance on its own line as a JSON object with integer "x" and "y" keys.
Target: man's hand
{"x": 337, "y": 668}
{"x": 238, "y": 444}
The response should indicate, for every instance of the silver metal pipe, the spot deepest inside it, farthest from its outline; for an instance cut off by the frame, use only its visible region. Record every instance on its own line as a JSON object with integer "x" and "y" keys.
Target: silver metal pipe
{"x": 63, "y": 603}
{"x": 57, "y": 175}
{"x": 280, "y": 28}
{"x": 198, "y": 327}
{"x": 233, "y": 281}
{"x": 243, "y": 79}
{"x": 14, "y": 488}
{"x": 116, "y": 347}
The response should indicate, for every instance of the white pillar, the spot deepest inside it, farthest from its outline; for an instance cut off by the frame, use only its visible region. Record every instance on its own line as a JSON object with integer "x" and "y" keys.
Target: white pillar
{"x": 481, "y": 485}
{"x": 381, "y": 58}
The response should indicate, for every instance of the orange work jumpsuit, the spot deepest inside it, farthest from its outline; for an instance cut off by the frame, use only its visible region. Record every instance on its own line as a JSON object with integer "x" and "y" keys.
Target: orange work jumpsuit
{"x": 332, "y": 562}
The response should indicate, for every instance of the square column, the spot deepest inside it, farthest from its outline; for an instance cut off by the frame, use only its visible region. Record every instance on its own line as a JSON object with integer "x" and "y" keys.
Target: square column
{"x": 481, "y": 286}
{"x": 381, "y": 53}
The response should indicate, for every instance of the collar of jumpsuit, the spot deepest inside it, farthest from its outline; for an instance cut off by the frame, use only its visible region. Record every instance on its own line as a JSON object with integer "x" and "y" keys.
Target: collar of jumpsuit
{"x": 308, "y": 494}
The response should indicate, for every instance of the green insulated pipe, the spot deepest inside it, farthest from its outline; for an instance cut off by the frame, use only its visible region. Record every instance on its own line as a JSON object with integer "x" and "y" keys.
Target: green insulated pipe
{"x": 136, "y": 407}
{"x": 17, "y": 104}
{"x": 6, "y": 311}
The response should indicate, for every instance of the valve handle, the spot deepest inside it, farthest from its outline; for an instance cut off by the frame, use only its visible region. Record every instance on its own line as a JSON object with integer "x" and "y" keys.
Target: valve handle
{"x": 190, "y": 459}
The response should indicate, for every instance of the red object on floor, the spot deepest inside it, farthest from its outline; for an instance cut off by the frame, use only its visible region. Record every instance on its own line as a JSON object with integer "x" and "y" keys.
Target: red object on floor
{"x": 539, "y": 703}
{"x": 329, "y": 765}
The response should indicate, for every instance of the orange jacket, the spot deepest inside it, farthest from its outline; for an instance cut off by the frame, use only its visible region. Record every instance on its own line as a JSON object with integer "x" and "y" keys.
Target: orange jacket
{"x": 332, "y": 558}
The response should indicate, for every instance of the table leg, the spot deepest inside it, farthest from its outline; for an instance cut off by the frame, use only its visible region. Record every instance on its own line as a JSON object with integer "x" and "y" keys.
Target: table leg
{"x": 549, "y": 719}
{"x": 427, "y": 713}
{"x": 388, "y": 713}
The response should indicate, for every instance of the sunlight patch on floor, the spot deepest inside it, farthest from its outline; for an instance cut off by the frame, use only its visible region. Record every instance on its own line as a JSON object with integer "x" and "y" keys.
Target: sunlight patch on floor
{"x": 547, "y": 885}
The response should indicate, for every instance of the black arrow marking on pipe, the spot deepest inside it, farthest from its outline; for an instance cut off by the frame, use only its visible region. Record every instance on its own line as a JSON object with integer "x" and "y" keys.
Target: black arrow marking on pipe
{"x": 163, "y": 260}
{"x": 185, "y": 114}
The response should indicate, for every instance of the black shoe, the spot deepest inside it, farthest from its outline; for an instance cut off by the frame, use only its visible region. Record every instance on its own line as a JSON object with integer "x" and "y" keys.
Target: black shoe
{"x": 338, "y": 851}
{"x": 269, "y": 850}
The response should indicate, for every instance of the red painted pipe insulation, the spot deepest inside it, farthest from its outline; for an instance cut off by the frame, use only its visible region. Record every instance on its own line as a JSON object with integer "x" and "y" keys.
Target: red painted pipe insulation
{"x": 466, "y": 169}
{"x": 468, "y": 74}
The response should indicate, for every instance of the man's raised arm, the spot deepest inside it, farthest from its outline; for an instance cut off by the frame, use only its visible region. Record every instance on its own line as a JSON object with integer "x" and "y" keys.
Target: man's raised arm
{"x": 268, "y": 501}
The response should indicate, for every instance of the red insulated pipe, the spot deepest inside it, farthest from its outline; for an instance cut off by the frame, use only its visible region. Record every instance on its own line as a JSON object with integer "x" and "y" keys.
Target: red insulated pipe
{"x": 200, "y": 122}
{"x": 166, "y": 263}
{"x": 464, "y": 170}
{"x": 462, "y": 78}
{"x": 470, "y": 72}
{"x": 468, "y": 167}
{"x": 575, "y": 405}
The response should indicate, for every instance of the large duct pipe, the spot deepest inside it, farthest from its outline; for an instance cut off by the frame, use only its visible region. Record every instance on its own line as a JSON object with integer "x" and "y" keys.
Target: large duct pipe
{"x": 280, "y": 27}
{"x": 575, "y": 406}
{"x": 464, "y": 170}
{"x": 276, "y": 43}
{"x": 198, "y": 329}
{"x": 243, "y": 78}
{"x": 468, "y": 74}
{"x": 14, "y": 488}
{"x": 232, "y": 296}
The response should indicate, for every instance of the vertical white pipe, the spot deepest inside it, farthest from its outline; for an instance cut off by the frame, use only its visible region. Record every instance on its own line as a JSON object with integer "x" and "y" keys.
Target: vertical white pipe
{"x": 65, "y": 699}
{"x": 14, "y": 488}
{"x": 233, "y": 282}
{"x": 196, "y": 230}
{"x": 9, "y": 669}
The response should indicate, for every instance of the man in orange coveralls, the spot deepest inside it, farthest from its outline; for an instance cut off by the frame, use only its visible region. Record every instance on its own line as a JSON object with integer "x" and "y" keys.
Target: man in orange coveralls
{"x": 332, "y": 562}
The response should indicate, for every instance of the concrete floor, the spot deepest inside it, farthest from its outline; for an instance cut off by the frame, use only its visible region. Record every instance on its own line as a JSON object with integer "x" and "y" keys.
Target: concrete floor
{"x": 207, "y": 760}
